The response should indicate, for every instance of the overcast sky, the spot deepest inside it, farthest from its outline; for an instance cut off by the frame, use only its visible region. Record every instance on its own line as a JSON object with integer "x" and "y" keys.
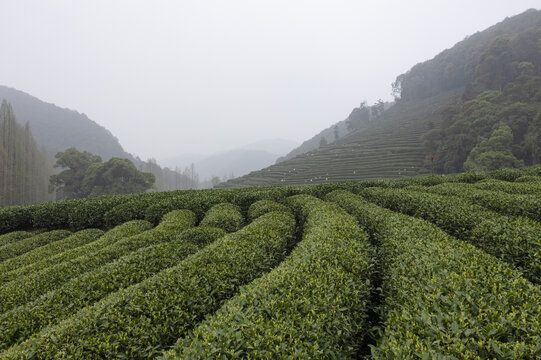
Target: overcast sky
{"x": 176, "y": 77}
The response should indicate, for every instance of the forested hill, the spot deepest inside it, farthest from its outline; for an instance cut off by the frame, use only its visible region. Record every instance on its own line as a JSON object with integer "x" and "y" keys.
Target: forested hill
{"x": 57, "y": 128}
{"x": 475, "y": 106}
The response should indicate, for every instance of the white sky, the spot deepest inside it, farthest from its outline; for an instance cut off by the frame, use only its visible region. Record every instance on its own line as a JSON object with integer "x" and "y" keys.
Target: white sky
{"x": 175, "y": 77}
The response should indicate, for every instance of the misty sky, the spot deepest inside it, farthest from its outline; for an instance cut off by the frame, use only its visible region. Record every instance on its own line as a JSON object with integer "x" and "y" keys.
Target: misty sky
{"x": 175, "y": 77}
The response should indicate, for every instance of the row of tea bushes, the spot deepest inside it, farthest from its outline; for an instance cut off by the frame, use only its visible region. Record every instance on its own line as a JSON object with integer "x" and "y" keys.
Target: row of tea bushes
{"x": 501, "y": 202}
{"x": 82, "y": 291}
{"x": 13, "y": 237}
{"x": 312, "y": 306}
{"x": 261, "y": 207}
{"x": 109, "y": 238}
{"x": 225, "y": 216}
{"x": 65, "y": 242}
{"x": 24, "y": 245}
{"x": 510, "y": 187}
{"x": 141, "y": 320}
{"x": 28, "y": 288}
{"x": 513, "y": 239}
{"x": 445, "y": 299}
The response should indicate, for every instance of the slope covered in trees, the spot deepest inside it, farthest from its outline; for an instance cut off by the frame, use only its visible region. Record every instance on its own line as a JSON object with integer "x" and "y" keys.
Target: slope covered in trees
{"x": 474, "y": 106}
{"x": 24, "y": 169}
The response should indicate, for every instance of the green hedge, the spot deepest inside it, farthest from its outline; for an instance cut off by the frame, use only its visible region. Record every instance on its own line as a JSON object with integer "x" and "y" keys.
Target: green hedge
{"x": 89, "y": 213}
{"x": 312, "y": 306}
{"x": 132, "y": 209}
{"x": 14, "y": 218}
{"x": 53, "y": 215}
{"x": 445, "y": 299}
{"x": 513, "y": 239}
{"x": 28, "y": 288}
{"x": 141, "y": 320}
{"x": 510, "y": 188}
{"x": 30, "y": 243}
{"x": 82, "y": 291}
{"x": 69, "y": 242}
{"x": 13, "y": 236}
{"x": 225, "y": 216}
{"x": 501, "y": 202}
{"x": 262, "y": 207}
{"x": 109, "y": 238}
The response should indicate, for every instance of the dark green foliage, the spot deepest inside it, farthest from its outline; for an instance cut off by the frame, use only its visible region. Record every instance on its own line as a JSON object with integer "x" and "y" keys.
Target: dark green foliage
{"x": 115, "y": 176}
{"x": 69, "y": 182}
{"x": 15, "y": 218}
{"x": 86, "y": 176}
{"x": 35, "y": 284}
{"x": 201, "y": 235}
{"x": 53, "y": 215}
{"x": 503, "y": 203}
{"x": 225, "y": 216}
{"x": 132, "y": 209}
{"x": 262, "y": 207}
{"x": 27, "y": 244}
{"x": 170, "y": 302}
{"x": 513, "y": 239}
{"x": 443, "y": 298}
{"x": 90, "y": 213}
{"x": 111, "y": 237}
{"x": 84, "y": 290}
{"x": 313, "y": 305}
{"x": 65, "y": 242}
{"x": 13, "y": 237}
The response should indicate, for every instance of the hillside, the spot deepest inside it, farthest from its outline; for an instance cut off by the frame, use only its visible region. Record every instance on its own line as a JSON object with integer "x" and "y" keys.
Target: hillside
{"x": 279, "y": 272}
{"x": 58, "y": 129}
{"x": 438, "y": 102}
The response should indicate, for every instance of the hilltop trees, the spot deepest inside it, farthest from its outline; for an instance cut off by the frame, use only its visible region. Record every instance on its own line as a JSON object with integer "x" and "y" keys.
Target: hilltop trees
{"x": 86, "y": 176}
{"x": 24, "y": 168}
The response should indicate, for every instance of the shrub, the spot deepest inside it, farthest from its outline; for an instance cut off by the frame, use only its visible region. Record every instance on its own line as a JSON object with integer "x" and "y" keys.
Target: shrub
{"x": 13, "y": 236}
{"x": 50, "y": 249}
{"x": 14, "y": 218}
{"x": 445, "y": 299}
{"x": 313, "y": 305}
{"x": 86, "y": 289}
{"x": 225, "y": 216}
{"x": 139, "y": 321}
{"x": 24, "y": 245}
{"x": 262, "y": 207}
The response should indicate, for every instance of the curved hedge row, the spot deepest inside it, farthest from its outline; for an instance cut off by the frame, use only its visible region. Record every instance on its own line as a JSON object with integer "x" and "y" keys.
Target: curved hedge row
{"x": 445, "y": 299}
{"x": 82, "y": 291}
{"x": 109, "y": 238}
{"x": 14, "y": 218}
{"x": 510, "y": 188}
{"x": 13, "y": 236}
{"x": 313, "y": 305}
{"x": 139, "y": 321}
{"x": 72, "y": 241}
{"x": 225, "y": 216}
{"x": 132, "y": 209}
{"x": 28, "y": 288}
{"x": 30, "y": 243}
{"x": 262, "y": 207}
{"x": 501, "y": 202}
{"x": 514, "y": 240}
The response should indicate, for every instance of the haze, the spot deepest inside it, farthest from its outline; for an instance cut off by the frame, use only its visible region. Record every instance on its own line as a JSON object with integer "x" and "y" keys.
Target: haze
{"x": 175, "y": 77}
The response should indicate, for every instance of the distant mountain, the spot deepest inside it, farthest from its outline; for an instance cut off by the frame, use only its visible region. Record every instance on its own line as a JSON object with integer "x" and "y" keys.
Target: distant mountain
{"x": 57, "y": 128}
{"x": 236, "y": 162}
{"x": 475, "y": 106}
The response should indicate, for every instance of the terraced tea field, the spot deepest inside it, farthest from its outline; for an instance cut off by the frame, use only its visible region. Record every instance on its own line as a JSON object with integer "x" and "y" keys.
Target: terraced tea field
{"x": 432, "y": 268}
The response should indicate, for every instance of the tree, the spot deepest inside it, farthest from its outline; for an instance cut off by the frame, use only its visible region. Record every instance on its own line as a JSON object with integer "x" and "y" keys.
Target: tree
{"x": 114, "y": 177}
{"x": 358, "y": 117}
{"x": 24, "y": 168}
{"x": 87, "y": 176}
{"x": 336, "y": 133}
{"x": 69, "y": 182}
{"x": 493, "y": 153}
{"x": 322, "y": 141}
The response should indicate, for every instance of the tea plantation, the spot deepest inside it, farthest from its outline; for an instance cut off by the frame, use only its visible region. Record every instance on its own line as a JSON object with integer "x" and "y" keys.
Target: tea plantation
{"x": 436, "y": 267}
